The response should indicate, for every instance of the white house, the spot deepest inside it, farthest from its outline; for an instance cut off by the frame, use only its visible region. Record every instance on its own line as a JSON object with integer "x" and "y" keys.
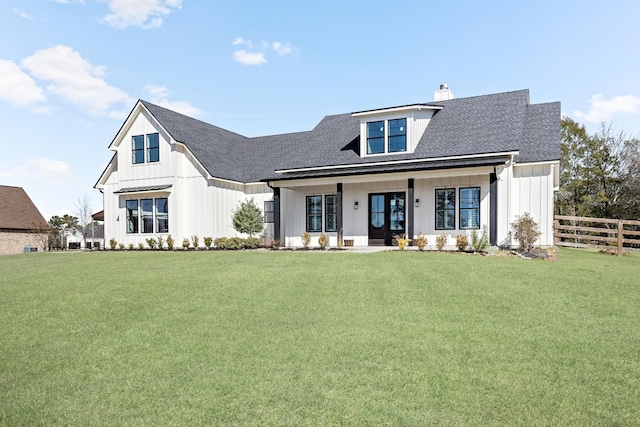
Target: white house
{"x": 446, "y": 166}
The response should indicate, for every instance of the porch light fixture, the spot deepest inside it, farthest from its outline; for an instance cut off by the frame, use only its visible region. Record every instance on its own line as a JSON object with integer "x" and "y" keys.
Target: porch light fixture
{"x": 355, "y": 205}
{"x": 417, "y": 203}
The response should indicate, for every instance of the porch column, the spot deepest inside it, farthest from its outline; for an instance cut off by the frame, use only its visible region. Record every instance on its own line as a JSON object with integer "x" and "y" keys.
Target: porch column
{"x": 410, "y": 205}
{"x": 276, "y": 213}
{"x": 339, "y": 214}
{"x": 493, "y": 209}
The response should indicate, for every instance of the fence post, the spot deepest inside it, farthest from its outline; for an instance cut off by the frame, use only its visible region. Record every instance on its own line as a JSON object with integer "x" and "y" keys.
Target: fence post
{"x": 620, "y": 236}
{"x": 556, "y": 230}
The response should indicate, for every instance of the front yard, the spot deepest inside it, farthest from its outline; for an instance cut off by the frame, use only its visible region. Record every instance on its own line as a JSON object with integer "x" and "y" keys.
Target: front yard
{"x": 309, "y": 338}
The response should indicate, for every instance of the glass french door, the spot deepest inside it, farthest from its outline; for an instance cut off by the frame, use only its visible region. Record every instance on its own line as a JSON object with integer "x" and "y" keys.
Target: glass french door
{"x": 386, "y": 217}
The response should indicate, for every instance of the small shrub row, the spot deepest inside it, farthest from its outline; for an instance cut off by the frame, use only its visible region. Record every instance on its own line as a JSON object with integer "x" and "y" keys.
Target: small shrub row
{"x": 236, "y": 243}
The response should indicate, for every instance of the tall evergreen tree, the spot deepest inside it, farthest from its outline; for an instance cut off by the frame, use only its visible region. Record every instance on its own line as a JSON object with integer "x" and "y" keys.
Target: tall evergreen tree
{"x": 247, "y": 218}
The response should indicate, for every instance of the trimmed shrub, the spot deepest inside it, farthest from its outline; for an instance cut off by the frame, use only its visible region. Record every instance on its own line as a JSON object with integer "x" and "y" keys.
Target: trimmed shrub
{"x": 403, "y": 241}
{"x": 113, "y": 243}
{"x": 185, "y": 242}
{"x": 420, "y": 241}
{"x": 479, "y": 243}
{"x": 441, "y": 241}
{"x": 152, "y": 242}
{"x": 170, "y": 242}
{"x": 323, "y": 241}
{"x": 525, "y": 231}
{"x": 462, "y": 241}
{"x": 306, "y": 239}
{"x": 208, "y": 241}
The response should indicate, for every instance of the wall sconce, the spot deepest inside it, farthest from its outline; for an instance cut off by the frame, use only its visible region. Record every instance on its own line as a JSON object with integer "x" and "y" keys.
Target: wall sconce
{"x": 355, "y": 205}
{"x": 417, "y": 203}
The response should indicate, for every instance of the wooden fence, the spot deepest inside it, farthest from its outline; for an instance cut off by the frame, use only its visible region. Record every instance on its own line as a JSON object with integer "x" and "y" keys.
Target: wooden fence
{"x": 581, "y": 232}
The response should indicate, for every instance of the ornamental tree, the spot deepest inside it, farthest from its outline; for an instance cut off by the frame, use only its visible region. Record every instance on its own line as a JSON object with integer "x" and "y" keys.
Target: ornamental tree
{"x": 247, "y": 218}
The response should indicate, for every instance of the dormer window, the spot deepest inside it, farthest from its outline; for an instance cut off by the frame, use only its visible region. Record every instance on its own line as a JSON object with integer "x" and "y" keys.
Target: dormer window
{"x": 395, "y": 130}
{"x": 387, "y": 136}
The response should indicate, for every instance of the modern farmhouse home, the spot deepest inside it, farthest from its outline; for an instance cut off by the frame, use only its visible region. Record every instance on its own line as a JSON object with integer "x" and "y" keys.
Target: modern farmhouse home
{"x": 447, "y": 166}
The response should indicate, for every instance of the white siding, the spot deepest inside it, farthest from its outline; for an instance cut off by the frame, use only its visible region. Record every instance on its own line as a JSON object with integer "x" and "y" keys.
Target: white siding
{"x": 532, "y": 192}
{"x": 197, "y": 205}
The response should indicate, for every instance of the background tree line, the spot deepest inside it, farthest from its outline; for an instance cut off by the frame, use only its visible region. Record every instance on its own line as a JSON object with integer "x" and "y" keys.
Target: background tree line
{"x": 599, "y": 173}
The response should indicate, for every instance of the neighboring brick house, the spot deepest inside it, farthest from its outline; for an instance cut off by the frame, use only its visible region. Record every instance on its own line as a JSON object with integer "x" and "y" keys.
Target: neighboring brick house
{"x": 21, "y": 224}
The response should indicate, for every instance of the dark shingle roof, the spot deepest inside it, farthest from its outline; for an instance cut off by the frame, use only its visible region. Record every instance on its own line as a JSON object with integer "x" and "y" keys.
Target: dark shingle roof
{"x": 495, "y": 123}
{"x": 17, "y": 211}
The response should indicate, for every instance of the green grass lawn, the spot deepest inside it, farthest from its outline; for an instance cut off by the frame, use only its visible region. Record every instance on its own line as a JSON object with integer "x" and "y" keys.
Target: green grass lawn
{"x": 309, "y": 338}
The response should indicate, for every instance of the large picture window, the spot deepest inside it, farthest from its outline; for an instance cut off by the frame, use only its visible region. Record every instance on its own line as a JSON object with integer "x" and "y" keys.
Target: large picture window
{"x": 314, "y": 213}
{"x": 331, "y": 213}
{"x": 446, "y": 209}
{"x": 147, "y": 216}
{"x": 469, "y": 208}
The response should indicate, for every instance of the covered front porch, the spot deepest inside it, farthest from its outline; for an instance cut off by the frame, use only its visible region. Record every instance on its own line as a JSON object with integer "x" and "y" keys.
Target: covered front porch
{"x": 372, "y": 209}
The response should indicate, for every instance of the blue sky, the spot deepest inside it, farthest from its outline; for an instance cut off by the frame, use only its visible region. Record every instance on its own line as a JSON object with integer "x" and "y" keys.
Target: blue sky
{"x": 70, "y": 71}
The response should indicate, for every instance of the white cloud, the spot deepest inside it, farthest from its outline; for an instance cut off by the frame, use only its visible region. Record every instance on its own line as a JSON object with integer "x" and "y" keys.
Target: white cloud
{"x": 160, "y": 96}
{"x": 22, "y": 13}
{"x": 604, "y": 109}
{"x": 255, "y": 54}
{"x": 281, "y": 48}
{"x": 50, "y": 170}
{"x": 249, "y": 58}
{"x": 141, "y": 13}
{"x": 243, "y": 42}
{"x": 75, "y": 80}
{"x": 17, "y": 87}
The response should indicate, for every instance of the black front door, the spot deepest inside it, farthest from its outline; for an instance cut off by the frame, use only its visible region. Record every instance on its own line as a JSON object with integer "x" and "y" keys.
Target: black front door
{"x": 386, "y": 217}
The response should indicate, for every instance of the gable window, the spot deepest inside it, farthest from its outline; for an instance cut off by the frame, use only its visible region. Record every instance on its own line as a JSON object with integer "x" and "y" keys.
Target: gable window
{"x": 147, "y": 216}
{"x": 331, "y": 213}
{"x": 314, "y": 213}
{"x": 137, "y": 147}
{"x": 152, "y": 152}
{"x": 397, "y": 135}
{"x": 446, "y": 209}
{"x": 391, "y": 140}
{"x": 375, "y": 137}
{"x": 470, "y": 208}
{"x": 269, "y": 212}
{"x": 153, "y": 147}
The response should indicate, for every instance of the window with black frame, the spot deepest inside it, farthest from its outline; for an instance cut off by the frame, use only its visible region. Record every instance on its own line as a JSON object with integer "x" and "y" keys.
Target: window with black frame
{"x": 446, "y": 209}
{"x": 137, "y": 148}
{"x": 314, "y": 213}
{"x": 469, "y": 208}
{"x": 397, "y": 135}
{"x": 153, "y": 148}
{"x": 331, "y": 213}
{"x": 269, "y": 212}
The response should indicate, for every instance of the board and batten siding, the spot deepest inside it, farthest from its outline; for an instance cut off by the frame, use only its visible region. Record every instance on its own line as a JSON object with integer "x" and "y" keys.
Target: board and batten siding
{"x": 198, "y": 205}
{"x": 532, "y": 191}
